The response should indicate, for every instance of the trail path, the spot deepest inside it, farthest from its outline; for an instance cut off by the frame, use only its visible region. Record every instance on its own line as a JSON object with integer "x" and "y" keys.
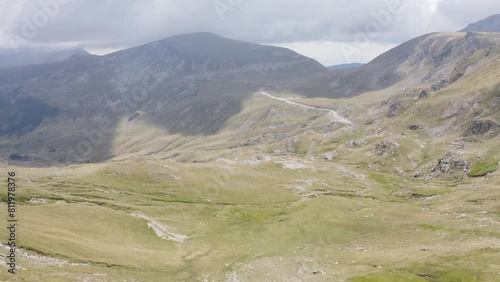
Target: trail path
{"x": 333, "y": 115}
{"x": 161, "y": 230}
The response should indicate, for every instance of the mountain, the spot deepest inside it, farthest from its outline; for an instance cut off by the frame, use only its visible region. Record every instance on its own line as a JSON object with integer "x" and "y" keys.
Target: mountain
{"x": 194, "y": 84}
{"x": 200, "y": 158}
{"x": 434, "y": 60}
{"x": 9, "y": 58}
{"x": 209, "y": 53}
{"x": 345, "y": 66}
{"x": 189, "y": 84}
{"x": 490, "y": 24}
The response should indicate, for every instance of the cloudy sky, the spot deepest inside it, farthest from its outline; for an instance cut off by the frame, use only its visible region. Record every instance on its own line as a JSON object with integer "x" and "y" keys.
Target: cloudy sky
{"x": 331, "y": 31}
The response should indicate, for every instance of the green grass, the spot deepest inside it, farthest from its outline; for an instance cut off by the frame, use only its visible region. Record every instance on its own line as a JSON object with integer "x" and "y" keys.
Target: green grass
{"x": 389, "y": 277}
{"x": 266, "y": 219}
{"x": 431, "y": 227}
{"x": 482, "y": 168}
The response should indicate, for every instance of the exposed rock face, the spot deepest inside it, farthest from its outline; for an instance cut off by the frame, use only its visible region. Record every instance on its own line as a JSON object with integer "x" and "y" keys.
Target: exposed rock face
{"x": 439, "y": 85}
{"x": 424, "y": 94}
{"x": 386, "y": 148}
{"x": 480, "y": 127}
{"x": 395, "y": 107}
{"x": 356, "y": 143}
{"x": 431, "y": 59}
{"x": 450, "y": 164}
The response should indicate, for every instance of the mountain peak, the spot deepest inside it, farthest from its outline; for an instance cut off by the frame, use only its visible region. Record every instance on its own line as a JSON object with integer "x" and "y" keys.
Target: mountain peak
{"x": 490, "y": 24}
{"x": 199, "y": 35}
{"x": 203, "y": 51}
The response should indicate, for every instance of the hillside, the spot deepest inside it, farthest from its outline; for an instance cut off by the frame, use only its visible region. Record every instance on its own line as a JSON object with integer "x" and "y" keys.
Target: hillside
{"x": 199, "y": 158}
{"x": 11, "y": 58}
{"x": 172, "y": 86}
{"x": 433, "y": 60}
{"x": 490, "y": 24}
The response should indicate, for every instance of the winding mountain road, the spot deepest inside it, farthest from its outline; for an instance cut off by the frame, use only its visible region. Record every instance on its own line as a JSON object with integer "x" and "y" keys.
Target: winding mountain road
{"x": 333, "y": 115}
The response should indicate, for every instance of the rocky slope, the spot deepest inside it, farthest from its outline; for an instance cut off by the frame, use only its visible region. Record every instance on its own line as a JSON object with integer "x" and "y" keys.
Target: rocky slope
{"x": 216, "y": 170}
{"x": 192, "y": 85}
{"x": 187, "y": 84}
{"x": 438, "y": 58}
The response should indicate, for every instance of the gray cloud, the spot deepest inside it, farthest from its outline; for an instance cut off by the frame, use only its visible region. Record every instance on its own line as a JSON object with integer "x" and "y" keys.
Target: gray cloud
{"x": 102, "y": 24}
{"x": 459, "y": 13}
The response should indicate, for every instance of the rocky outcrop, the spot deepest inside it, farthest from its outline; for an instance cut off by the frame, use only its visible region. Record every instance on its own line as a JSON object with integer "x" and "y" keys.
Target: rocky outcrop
{"x": 395, "y": 107}
{"x": 356, "y": 143}
{"x": 439, "y": 85}
{"x": 423, "y": 94}
{"x": 386, "y": 148}
{"x": 415, "y": 127}
{"x": 480, "y": 128}
{"x": 450, "y": 164}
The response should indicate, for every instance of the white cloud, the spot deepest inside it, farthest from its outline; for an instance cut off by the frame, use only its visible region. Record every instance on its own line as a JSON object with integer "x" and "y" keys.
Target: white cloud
{"x": 331, "y": 53}
{"x": 104, "y": 25}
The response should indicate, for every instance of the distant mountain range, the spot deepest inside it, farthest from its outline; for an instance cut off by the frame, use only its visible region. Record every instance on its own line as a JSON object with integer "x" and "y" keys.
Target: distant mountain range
{"x": 196, "y": 82}
{"x": 345, "y": 66}
{"x": 490, "y": 24}
{"x": 9, "y": 58}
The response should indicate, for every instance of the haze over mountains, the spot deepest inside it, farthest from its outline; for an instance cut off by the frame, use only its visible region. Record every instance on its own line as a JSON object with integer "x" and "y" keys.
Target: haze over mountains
{"x": 346, "y": 66}
{"x": 33, "y": 56}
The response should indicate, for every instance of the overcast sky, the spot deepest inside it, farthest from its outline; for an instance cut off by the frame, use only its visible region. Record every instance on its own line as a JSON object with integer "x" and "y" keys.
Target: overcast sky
{"x": 330, "y": 31}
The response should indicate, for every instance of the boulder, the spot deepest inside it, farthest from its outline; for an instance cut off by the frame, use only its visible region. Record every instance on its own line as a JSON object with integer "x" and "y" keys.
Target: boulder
{"x": 356, "y": 143}
{"x": 418, "y": 174}
{"x": 424, "y": 94}
{"x": 482, "y": 127}
{"x": 415, "y": 127}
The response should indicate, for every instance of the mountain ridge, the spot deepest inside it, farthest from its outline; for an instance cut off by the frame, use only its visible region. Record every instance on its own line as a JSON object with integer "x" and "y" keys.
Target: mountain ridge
{"x": 490, "y": 24}
{"x": 196, "y": 97}
{"x": 22, "y": 57}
